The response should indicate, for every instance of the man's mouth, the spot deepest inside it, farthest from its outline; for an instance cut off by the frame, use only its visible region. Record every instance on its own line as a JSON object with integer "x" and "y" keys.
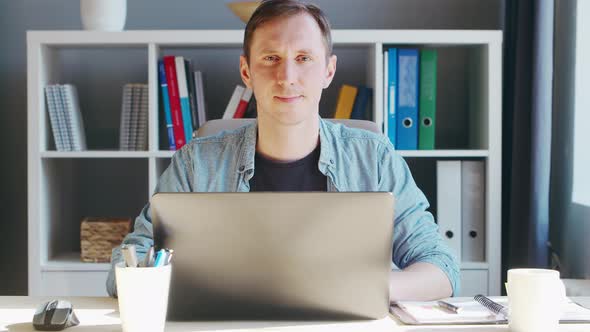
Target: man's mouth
{"x": 288, "y": 99}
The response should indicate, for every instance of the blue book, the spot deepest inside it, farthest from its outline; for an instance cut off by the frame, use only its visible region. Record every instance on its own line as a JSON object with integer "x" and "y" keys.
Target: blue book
{"x": 166, "y": 103}
{"x": 407, "y": 99}
{"x": 359, "y": 109}
{"x": 391, "y": 100}
{"x": 185, "y": 105}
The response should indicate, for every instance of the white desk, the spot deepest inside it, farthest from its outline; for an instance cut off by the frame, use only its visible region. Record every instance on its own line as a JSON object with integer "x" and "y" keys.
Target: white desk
{"x": 98, "y": 314}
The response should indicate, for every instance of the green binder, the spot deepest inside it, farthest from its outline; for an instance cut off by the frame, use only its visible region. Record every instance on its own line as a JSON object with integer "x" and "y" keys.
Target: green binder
{"x": 427, "y": 110}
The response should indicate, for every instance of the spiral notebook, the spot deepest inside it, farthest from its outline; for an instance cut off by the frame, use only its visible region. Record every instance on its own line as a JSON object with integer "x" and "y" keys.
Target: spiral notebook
{"x": 481, "y": 311}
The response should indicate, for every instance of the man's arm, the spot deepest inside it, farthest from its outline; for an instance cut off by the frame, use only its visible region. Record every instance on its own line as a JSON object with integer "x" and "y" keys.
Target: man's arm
{"x": 419, "y": 282}
{"x": 429, "y": 269}
{"x": 178, "y": 177}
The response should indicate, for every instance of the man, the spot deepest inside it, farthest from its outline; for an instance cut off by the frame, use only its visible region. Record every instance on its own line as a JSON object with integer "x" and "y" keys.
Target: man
{"x": 288, "y": 61}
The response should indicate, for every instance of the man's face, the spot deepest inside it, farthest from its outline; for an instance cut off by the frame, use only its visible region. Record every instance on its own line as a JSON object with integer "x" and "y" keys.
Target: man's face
{"x": 288, "y": 69}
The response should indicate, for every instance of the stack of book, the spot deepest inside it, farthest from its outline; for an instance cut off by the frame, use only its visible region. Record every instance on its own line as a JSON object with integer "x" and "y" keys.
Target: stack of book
{"x": 65, "y": 117}
{"x": 352, "y": 102}
{"x": 409, "y": 97}
{"x": 183, "y": 99}
{"x": 134, "y": 116}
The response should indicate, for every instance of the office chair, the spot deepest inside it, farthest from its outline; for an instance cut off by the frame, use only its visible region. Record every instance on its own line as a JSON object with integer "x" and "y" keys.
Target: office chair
{"x": 213, "y": 127}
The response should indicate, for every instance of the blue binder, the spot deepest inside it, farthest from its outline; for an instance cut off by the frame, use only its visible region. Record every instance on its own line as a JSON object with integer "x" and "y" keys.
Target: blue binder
{"x": 391, "y": 100}
{"x": 407, "y": 99}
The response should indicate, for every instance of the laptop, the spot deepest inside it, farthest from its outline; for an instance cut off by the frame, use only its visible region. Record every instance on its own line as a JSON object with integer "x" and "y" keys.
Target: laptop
{"x": 287, "y": 255}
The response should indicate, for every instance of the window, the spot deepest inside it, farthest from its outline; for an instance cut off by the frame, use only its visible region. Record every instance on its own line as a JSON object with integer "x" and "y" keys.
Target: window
{"x": 581, "y": 179}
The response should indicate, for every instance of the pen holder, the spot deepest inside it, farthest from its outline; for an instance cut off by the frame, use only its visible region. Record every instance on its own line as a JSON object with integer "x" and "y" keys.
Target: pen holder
{"x": 143, "y": 297}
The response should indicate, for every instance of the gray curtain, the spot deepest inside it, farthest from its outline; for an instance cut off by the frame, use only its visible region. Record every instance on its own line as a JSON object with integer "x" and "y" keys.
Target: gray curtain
{"x": 527, "y": 125}
{"x": 570, "y": 221}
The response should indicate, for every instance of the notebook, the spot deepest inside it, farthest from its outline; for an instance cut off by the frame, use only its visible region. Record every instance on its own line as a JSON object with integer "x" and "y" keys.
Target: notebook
{"x": 472, "y": 312}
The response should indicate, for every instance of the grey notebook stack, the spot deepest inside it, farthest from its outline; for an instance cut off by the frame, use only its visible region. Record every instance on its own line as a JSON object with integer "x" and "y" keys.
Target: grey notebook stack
{"x": 134, "y": 116}
{"x": 65, "y": 117}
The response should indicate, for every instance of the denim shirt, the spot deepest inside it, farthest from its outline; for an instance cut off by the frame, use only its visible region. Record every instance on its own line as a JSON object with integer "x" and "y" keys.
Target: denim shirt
{"x": 351, "y": 159}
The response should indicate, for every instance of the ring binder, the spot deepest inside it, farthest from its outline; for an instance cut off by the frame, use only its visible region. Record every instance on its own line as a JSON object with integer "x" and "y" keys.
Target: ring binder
{"x": 493, "y": 306}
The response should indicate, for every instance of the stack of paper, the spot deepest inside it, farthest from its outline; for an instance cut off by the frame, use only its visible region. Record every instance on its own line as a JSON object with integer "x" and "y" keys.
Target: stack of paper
{"x": 134, "y": 116}
{"x": 65, "y": 117}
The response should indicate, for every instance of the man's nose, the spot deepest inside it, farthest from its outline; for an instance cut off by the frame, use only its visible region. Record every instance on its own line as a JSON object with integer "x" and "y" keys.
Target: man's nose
{"x": 287, "y": 73}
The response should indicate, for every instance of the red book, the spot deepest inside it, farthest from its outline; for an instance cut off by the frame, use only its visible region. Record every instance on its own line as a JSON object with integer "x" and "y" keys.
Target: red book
{"x": 174, "y": 97}
{"x": 243, "y": 104}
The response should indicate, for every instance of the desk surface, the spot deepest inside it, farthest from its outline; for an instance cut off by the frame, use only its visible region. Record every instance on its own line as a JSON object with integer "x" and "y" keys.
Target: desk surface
{"x": 98, "y": 314}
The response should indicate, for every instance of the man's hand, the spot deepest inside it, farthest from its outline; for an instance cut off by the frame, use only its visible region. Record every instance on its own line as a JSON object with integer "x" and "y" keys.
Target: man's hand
{"x": 419, "y": 282}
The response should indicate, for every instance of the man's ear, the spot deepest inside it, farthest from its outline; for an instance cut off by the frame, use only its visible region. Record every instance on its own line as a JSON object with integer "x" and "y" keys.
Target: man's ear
{"x": 245, "y": 71}
{"x": 330, "y": 70}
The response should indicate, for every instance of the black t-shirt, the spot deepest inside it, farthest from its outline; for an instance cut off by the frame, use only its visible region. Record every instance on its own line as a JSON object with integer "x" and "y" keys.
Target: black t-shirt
{"x": 299, "y": 175}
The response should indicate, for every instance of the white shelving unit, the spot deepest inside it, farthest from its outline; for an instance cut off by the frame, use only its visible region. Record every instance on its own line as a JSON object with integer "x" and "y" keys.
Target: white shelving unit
{"x": 56, "y": 200}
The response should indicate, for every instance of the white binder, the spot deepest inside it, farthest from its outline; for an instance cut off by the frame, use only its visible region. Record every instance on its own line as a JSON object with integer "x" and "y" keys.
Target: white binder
{"x": 448, "y": 192}
{"x": 473, "y": 211}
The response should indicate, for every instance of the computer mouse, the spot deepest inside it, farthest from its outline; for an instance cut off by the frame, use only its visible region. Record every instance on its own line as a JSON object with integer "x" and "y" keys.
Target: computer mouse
{"x": 54, "y": 315}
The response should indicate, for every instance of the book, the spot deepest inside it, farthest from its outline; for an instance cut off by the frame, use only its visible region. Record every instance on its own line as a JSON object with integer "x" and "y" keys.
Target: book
{"x": 232, "y": 105}
{"x": 359, "y": 109}
{"x": 53, "y": 117}
{"x": 74, "y": 116}
{"x": 471, "y": 312}
{"x": 61, "y": 116}
{"x": 166, "y": 104}
{"x": 141, "y": 136}
{"x": 175, "y": 110}
{"x": 243, "y": 104}
{"x": 192, "y": 93}
{"x": 407, "y": 99}
{"x": 427, "y": 107}
{"x": 345, "y": 101}
{"x": 201, "y": 106}
{"x": 125, "y": 118}
{"x": 251, "y": 111}
{"x": 185, "y": 106}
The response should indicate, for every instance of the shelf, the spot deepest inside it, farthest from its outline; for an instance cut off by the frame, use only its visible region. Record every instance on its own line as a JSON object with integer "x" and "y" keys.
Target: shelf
{"x": 72, "y": 262}
{"x": 444, "y": 153}
{"x": 235, "y": 37}
{"x": 97, "y": 154}
{"x": 168, "y": 154}
{"x": 164, "y": 154}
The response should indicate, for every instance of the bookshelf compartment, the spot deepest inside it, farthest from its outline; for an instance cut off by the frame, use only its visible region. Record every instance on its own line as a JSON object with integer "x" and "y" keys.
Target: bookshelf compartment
{"x": 161, "y": 165}
{"x": 78, "y": 188}
{"x": 462, "y": 109}
{"x": 99, "y": 75}
{"x": 471, "y": 194}
{"x": 223, "y": 62}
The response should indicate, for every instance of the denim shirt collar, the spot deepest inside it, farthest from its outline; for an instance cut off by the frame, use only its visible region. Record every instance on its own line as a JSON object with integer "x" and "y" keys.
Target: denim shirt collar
{"x": 248, "y": 148}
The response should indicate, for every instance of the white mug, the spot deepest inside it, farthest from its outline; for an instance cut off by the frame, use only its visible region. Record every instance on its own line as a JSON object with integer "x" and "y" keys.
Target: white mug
{"x": 536, "y": 298}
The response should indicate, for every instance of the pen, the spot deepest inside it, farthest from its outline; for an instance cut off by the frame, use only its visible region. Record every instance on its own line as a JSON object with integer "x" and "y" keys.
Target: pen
{"x": 129, "y": 255}
{"x": 160, "y": 258}
{"x": 169, "y": 256}
{"x": 149, "y": 257}
{"x": 449, "y": 306}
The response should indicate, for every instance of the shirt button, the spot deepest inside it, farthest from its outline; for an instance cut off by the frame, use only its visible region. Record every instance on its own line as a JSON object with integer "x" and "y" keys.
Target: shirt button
{"x": 331, "y": 161}
{"x": 242, "y": 168}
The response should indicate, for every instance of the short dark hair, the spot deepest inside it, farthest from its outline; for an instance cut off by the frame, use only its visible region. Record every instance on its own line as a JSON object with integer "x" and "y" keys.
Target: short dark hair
{"x": 271, "y": 9}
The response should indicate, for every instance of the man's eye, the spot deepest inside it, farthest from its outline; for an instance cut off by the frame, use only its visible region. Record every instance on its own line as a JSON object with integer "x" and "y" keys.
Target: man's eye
{"x": 270, "y": 58}
{"x": 304, "y": 58}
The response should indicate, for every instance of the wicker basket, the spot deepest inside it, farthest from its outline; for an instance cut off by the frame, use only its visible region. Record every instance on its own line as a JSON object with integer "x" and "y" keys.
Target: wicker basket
{"x": 98, "y": 237}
